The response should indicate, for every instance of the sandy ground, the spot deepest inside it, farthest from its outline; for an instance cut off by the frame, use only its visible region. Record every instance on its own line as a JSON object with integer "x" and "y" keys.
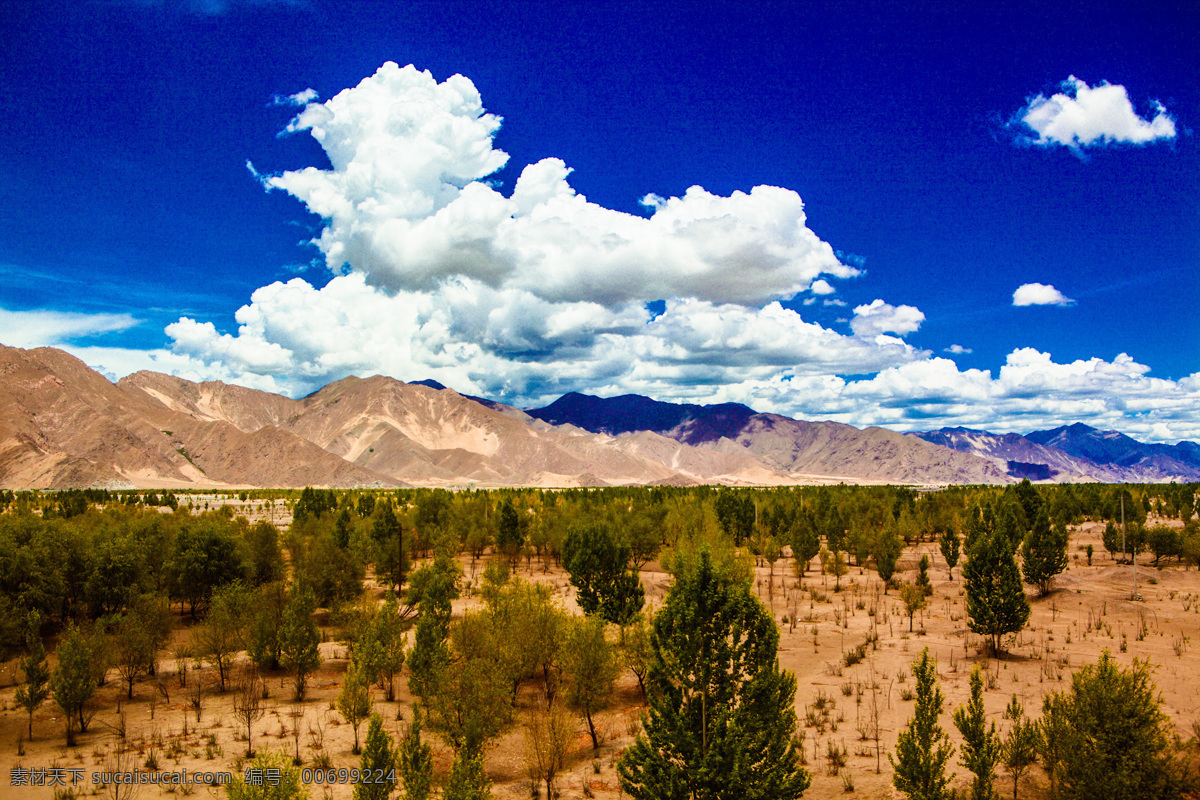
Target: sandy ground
{"x": 1089, "y": 611}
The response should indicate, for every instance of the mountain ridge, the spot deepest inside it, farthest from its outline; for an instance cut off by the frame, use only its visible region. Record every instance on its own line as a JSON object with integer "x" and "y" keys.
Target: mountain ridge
{"x": 62, "y": 424}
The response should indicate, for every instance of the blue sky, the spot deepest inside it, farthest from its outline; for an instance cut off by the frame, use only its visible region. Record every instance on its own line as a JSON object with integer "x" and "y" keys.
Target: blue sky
{"x": 951, "y": 163}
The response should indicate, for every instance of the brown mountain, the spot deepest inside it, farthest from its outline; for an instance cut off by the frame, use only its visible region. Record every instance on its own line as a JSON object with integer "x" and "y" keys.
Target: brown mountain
{"x": 808, "y": 451}
{"x": 418, "y": 433}
{"x": 64, "y": 425}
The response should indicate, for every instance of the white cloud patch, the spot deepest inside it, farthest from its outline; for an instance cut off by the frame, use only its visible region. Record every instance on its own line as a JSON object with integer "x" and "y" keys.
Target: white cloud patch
{"x": 1084, "y": 116}
{"x": 958, "y": 350}
{"x": 821, "y": 286}
{"x": 1039, "y": 294}
{"x": 302, "y": 98}
{"x": 879, "y": 317}
{"x": 44, "y": 328}
{"x": 407, "y": 206}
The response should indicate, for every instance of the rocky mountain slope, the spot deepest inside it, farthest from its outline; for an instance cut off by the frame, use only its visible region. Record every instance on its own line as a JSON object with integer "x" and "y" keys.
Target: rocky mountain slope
{"x": 1075, "y": 453}
{"x": 64, "y": 425}
{"x": 806, "y": 450}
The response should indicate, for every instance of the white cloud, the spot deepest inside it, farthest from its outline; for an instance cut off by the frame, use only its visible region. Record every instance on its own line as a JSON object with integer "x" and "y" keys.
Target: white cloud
{"x": 958, "y": 350}
{"x": 301, "y": 98}
{"x": 1039, "y": 294}
{"x": 407, "y": 206}
{"x": 1084, "y": 116}
{"x": 511, "y": 344}
{"x": 821, "y": 286}
{"x": 879, "y": 317}
{"x": 43, "y": 328}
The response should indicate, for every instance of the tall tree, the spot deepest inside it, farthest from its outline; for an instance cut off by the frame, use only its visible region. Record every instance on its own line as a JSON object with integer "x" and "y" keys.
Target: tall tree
{"x": 1019, "y": 749}
{"x": 73, "y": 681}
{"x": 1117, "y": 742}
{"x": 415, "y": 761}
{"x": 923, "y": 748}
{"x": 950, "y": 550}
{"x": 509, "y": 538}
{"x": 222, "y": 635}
{"x": 467, "y": 780}
{"x": 378, "y": 765}
{"x": 996, "y": 601}
{"x": 589, "y": 669}
{"x": 802, "y": 536}
{"x": 981, "y": 744}
{"x": 721, "y": 720}
{"x": 354, "y": 700}
{"x": 298, "y": 639}
{"x": 1044, "y": 552}
{"x": 36, "y": 689}
{"x": 887, "y": 552}
{"x": 599, "y": 569}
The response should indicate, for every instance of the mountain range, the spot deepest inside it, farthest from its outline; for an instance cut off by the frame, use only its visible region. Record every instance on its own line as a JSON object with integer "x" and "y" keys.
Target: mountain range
{"x": 64, "y": 425}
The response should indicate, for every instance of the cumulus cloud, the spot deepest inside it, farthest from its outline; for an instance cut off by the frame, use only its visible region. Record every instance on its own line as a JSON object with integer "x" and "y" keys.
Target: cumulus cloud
{"x": 44, "y": 328}
{"x": 958, "y": 350}
{"x": 511, "y": 344}
{"x": 879, "y": 317}
{"x": 1084, "y": 116}
{"x": 408, "y": 206}
{"x": 821, "y": 286}
{"x": 1039, "y": 294}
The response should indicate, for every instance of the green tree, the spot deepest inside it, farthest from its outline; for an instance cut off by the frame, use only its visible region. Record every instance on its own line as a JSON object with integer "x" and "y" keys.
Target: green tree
{"x": 264, "y": 623}
{"x": 509, "y": 538}
{"x": 134, "y": 648}
{"x": 472, "y": 701}
{"x": 206, "y": 556}
{"x": 1117, "y": 742}
{"x": 599, "y": 569}
{"x": 467, "y": 780}
{"x": 923, "y": 748}
{"x": 589, "y": 669}
{"x": 379, "y": 649}
{"x": 415, "y": 761}
{"x": 298, "y": 639}
{"x": 36, "y": 688}
{"x": 914, "y": 600}
{"x": 354, "y": 700}
{"x": 996, "y": 601}
{"x": 887, "y": 552}
{"x": 1111, "y": 538}
{"x": 73, "y": 681}
{"x": 735, "y": 512}
{"x": 721, "y": 719}
{"x": 428, "y": 658}
{"x": 266, "y": 556}
{"x": 804, "y": 541}
{"x": 387, "y": 537}
{"x": 378, "y": 764}
{"x": 221, "y": 636}
{"x": 981, "y": 743}
{"x": 253, "y": 783}
{"x": 1019, "y": 749}
{"x": 923, "y": 581}
{"x": 1044, "y": 552}
{"x": 950, "y": 550}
